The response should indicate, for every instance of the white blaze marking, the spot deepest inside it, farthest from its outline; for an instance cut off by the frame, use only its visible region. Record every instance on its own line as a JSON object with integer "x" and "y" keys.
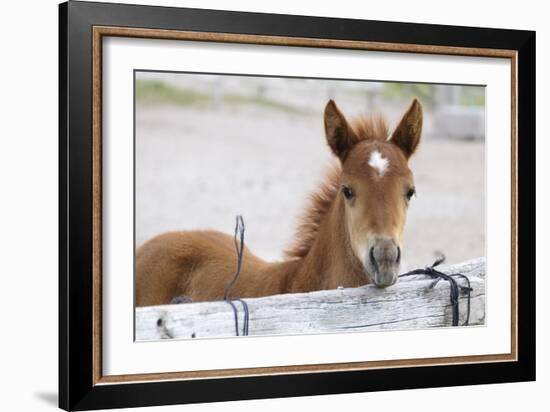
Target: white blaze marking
{"x": 378, "y": 162}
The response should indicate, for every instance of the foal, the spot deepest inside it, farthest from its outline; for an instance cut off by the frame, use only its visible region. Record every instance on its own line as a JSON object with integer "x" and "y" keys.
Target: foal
{"x": 351, "y": 234}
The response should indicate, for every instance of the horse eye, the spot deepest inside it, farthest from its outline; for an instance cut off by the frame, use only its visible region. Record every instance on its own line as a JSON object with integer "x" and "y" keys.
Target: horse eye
{"x": 348, "y": 192}
{"x": 410, "y": 193}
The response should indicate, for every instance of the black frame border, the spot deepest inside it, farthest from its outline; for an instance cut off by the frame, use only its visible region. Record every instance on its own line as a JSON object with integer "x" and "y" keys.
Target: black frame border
{"x": 76, "y": 387}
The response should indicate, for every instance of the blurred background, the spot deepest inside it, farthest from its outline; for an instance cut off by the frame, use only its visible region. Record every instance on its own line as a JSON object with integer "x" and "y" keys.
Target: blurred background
{"x": 209, "y": 147}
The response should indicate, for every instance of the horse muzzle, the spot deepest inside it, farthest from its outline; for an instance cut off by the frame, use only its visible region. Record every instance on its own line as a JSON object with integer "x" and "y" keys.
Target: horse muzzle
{"x": 383, "y": 261}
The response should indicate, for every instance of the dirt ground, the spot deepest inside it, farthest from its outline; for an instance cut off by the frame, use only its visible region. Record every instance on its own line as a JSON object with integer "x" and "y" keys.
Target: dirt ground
{"x": 196, "y": 169}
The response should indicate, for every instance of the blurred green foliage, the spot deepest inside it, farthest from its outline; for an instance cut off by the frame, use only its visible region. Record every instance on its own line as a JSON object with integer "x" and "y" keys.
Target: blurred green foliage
{"x": 157, "y": 92}
{"x": 428, "y": 94}
{"x": 472, "y": 96}
{"x": 406, "y": 91}
{"x": 237, "y": 99}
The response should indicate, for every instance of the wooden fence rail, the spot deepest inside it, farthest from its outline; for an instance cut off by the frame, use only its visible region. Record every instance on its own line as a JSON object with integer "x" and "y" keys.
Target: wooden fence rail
{"x": 409, "y": 304}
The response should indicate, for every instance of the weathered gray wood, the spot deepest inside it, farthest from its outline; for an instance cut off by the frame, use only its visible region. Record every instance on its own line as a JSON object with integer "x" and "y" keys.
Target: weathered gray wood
{"x": 409, "y": 304}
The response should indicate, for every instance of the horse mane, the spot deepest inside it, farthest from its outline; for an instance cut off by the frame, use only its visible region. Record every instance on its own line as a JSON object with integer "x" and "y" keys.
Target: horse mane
{"x": 319, "y": 203}
{"x": 367, "y": 128}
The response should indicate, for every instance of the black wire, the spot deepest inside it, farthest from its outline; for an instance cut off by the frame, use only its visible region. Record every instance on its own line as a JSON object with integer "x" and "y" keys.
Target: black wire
{"x": 455, "y": 288}
{"x": 239, "y": 248}
{"x": 468, "y": 290}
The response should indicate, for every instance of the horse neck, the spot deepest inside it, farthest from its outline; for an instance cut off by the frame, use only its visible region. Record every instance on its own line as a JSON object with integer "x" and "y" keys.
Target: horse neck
{"x": 330, "y": 262}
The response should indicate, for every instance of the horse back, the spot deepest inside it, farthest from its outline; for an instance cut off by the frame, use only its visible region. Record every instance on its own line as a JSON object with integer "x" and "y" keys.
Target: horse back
{"x": 195, "y": 264}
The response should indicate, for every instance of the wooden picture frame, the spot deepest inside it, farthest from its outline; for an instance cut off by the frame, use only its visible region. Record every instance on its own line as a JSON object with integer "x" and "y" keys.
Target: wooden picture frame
{"x": 83, "y": 26}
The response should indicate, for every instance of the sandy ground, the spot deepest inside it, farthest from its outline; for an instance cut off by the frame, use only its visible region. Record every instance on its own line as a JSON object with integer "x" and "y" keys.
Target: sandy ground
{"x": 197, "y": 169}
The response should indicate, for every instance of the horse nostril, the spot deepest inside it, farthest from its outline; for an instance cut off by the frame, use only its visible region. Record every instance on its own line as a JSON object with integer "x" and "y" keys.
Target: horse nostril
{"x": 398, "y": 254}
{"x": 372, "y": 259}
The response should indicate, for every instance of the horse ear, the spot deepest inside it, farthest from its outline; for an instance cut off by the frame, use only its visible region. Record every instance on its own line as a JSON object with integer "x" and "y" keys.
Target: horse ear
{"x": 340, "y": 136}
{"x": 407, "y": 133}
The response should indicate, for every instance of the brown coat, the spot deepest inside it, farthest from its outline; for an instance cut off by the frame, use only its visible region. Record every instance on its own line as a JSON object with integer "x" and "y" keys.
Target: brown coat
{"x": 327, "y": 252}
